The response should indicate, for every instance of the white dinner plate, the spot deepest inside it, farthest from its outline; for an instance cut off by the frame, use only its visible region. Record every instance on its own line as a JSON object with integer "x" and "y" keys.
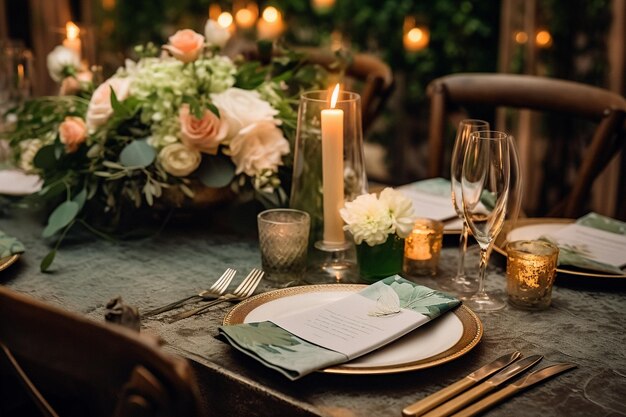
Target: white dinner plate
{"x": 534, "y": 228}
{"x": 442, "y": 340}
{"x": 17, "y": 183}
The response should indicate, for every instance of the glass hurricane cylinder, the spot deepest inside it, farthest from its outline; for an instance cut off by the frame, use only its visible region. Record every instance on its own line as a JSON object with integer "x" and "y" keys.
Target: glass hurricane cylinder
{"x": 380, "y": 261}
{"x": 307, "y": 180}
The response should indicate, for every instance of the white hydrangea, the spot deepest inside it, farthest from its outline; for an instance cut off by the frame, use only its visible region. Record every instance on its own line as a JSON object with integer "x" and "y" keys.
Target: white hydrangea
{"x": 215, "y": 74}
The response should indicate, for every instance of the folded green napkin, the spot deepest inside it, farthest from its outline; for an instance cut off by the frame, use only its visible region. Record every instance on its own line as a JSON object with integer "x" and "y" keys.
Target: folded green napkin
{"x": 9, "y": 245}
{"x": 570, "y": 255}
{"x": 295, "y": 357}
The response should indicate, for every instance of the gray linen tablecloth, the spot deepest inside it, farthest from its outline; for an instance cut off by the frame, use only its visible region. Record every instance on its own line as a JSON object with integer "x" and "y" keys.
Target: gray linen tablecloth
{"x": 585, "y": 325}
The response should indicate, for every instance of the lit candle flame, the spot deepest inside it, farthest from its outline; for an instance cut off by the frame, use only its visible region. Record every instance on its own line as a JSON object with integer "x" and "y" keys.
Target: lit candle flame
{"x": 335, "y": 95}
{"x": 71, "y": 30}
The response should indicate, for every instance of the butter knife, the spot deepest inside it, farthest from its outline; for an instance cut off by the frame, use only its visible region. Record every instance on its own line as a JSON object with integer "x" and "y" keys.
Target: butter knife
{"x": 484, "y": 388}
{"x": 513, "y": 389}
{"x": 443, "y": 395}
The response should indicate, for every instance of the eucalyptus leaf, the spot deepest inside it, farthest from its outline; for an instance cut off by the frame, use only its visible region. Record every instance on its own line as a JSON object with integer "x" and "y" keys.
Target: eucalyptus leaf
{"x": 216, "y": 171}
{"x": 45, "y": 158}
{"x": 61, "y": 217}
{"x": 47, "y": 260}
{"x": 137, "y": 154}
{"x": 80, "y": 198}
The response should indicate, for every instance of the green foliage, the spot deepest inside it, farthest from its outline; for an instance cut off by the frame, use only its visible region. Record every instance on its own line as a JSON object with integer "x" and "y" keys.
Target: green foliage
{"x": 216, "y": 171}
{"x": 137, "y": 154}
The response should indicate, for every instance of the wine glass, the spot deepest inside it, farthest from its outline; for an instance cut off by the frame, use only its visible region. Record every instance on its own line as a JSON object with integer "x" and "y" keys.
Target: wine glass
{"x": 516, "y": 184}
{"x": 460, "y": 283}
{"x": 485, "y": 191}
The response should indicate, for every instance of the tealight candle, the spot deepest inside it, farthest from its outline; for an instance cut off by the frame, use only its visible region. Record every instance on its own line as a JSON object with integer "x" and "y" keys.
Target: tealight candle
{"x": 530, "y": 272}
{"x": 422, "y": 248}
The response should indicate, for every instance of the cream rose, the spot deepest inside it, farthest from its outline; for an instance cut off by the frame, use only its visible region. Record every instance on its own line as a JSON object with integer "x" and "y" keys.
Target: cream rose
{"x": 100, "y": 108}
{"x": 258, "y": 147}
{"x": 62, "y": 62}
{"x": 179, "y": 160}
{"x": 242, "y": 108}
{"x": 72, "y": 133}
{"x": 203, "y": 134}
{"x": 215, "y": 34}
{"x": 185, "y": 45}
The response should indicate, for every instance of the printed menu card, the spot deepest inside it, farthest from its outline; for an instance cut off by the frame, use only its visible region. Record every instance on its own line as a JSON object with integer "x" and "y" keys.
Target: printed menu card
{"x": 297, "y": 344}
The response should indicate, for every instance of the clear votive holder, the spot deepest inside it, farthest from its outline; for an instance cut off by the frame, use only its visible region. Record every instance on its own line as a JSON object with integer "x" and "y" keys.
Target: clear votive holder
{"x": 423, "y": 247}
{"x": 284, "y": 240}
{"x": 530, "y": 272}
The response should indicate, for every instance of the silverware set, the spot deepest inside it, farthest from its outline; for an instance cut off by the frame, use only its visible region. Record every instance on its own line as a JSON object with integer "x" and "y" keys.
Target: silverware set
{"x": 459, "y": 399}
{"x": 215, "y": 295}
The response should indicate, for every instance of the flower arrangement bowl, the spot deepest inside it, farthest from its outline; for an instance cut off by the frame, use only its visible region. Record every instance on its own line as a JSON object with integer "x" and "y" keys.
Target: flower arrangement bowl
{"x": 181, "y": 126}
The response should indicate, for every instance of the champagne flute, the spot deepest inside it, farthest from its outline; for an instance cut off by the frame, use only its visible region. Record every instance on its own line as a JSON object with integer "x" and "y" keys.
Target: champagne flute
{"x": 460, "y": 283}
{"x": 485, "y": 191}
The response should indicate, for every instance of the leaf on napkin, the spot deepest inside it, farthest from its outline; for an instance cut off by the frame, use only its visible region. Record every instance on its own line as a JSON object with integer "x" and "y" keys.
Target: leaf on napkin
{"x": 387, "y": 304}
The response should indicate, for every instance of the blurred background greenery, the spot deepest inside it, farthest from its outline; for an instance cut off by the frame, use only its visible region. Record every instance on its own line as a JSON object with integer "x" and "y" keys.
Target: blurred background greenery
{"x": 569, "y": 40}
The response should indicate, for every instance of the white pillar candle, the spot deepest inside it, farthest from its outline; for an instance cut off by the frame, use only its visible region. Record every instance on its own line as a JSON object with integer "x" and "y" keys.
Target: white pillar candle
{"x": 332, "y": 171}
{"x": 72, "y": 41}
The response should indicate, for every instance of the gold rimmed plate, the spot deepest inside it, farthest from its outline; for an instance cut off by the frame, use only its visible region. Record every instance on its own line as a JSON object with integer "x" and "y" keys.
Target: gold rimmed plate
{"x": 534, "y": 228}
{"x": 7, "y": 261}
{"x": 442, "y": 340}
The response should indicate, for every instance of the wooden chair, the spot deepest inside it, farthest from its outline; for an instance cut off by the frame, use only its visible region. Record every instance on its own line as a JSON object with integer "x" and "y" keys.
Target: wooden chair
{"x": 81, "y": 367}
{"x": 577, "y": 100}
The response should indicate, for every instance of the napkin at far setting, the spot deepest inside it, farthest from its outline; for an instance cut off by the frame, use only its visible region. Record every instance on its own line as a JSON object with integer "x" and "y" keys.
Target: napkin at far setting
{"x": 298, "y": 344}
{"x": 9, "y": 245}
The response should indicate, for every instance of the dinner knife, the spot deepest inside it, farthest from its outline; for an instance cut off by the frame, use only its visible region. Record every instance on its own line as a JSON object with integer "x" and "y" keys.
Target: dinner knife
{"x": 484, "y": 388}
{"x": 514, "y": 388}
{"x": 441, "y": 396}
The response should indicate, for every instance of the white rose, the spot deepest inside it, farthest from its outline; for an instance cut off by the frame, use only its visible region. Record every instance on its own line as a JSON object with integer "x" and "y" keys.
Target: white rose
{"x": 215, "y": 34}
{"x": 242, "y": 108}
{"x": 62, "y": 62}
{"x": 28, "y": 150}
{"x": 400, "y": 210}
{"x": 100, "y": 108}
{"x": 179, "y": 160}
{"x": 258, "y": 147}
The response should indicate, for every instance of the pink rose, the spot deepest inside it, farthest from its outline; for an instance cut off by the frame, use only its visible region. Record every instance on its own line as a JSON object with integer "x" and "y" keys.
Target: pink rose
{"x": 72, "y": 85}
{"x": 100, "y": 108}
{"x": 185, "y": 45}
{"x": 203, "y": 134}
{"x": 72, "y": 132}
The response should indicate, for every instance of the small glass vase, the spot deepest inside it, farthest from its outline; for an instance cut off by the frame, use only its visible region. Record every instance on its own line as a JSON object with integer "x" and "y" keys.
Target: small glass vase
{"x": 380, "y": 261}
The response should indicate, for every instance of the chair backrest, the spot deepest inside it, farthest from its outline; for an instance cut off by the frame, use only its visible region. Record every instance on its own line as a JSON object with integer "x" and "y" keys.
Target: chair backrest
{"x": 127, "y": 373}
{"x": 577, "y": 100}
{"x": 374, "y": 75}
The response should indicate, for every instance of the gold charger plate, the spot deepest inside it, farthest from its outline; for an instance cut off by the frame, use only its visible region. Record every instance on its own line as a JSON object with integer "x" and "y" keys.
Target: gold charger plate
{"x": 501, "y": 241}
{"x": 471, "y": 332}
{"x": 7, "y": 261}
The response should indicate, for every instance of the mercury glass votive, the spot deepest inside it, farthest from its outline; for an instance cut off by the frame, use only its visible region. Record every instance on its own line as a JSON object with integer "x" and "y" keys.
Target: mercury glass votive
{"x": 423, "y": 247}
{"x": 530, "y": 272}
{"x": 284, "y": 240}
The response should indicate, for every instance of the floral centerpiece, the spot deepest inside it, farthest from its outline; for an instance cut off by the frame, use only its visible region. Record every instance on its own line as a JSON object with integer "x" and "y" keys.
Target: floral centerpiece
{"x": 163, "y": 129}
{"x": 379, "y": 225}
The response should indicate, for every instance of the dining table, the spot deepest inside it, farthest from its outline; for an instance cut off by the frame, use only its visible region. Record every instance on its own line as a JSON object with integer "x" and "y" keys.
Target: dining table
{"x": 585, "y": 324}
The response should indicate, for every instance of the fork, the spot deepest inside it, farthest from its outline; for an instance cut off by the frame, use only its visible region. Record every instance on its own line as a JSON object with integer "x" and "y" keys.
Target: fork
{"x": 243, "y": 291}
{"x": 215, "y": 291}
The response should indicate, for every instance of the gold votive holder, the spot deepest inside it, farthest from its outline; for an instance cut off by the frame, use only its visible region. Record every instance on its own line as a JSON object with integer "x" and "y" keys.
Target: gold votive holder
{"x": 530, "y": 272}
{"x": 422, "y": 248}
